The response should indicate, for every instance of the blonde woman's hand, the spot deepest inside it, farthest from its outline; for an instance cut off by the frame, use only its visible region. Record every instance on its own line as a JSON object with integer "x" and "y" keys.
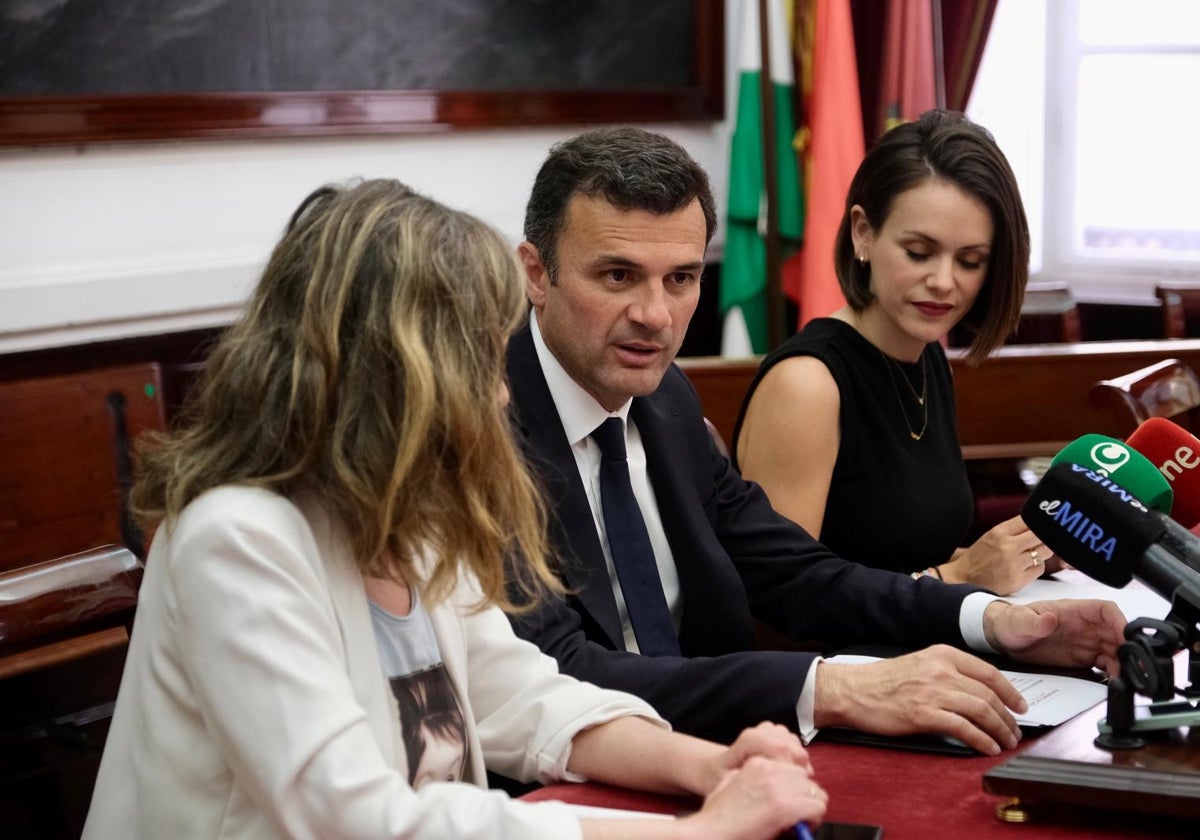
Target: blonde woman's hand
{"x": 767, "y": 740}
{"x": 759, "y": 801}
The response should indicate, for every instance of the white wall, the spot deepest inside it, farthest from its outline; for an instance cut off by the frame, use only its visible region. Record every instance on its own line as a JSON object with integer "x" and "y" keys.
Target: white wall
{"x": 123, "y": 240}
{"x": 116, "y": 240}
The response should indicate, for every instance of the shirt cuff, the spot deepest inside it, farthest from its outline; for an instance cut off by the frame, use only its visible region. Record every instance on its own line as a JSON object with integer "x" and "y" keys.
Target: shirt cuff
{"x": 804, "y": 706}
{"x": 970, "y": 621}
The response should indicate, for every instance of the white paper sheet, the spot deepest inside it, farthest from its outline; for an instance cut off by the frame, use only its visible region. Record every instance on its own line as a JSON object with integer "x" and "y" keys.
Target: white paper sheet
{"x": 1052, "y": 699}
{"x": 1135, "y": 600}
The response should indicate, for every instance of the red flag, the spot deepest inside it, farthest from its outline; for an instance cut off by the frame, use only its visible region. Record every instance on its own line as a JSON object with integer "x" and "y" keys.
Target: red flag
{"x": 833, "y": 119}
{"x": 907, "y": 78}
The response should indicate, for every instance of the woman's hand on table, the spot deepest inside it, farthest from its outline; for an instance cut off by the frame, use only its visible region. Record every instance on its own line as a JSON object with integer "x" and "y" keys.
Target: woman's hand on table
{"x": 760, "y": 799}
{"x": 769, "y": 740}
{"x": 1006, "y": 559}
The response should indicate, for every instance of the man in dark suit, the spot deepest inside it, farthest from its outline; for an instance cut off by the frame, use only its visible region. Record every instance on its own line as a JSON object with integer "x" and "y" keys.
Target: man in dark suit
{"x": 616, "y": 228}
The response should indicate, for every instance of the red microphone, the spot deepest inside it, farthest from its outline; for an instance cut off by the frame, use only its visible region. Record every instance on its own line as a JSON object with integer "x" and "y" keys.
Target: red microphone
{"x": 1176, "y": 453}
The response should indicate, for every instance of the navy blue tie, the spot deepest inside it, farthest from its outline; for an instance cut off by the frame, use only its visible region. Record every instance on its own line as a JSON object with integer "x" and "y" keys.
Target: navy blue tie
{"x": 629, "y": 543}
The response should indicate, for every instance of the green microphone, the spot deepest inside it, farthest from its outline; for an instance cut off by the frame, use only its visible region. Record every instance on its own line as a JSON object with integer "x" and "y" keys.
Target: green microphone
{"x": 1124, "y": 465}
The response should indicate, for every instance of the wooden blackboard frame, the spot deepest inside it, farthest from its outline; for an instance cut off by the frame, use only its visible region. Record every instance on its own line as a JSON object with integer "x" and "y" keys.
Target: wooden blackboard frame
{"x": 73, "y": 120}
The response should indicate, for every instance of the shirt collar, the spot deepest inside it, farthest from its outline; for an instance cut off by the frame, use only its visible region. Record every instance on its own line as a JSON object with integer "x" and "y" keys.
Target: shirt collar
{"x": 578, "y": 410}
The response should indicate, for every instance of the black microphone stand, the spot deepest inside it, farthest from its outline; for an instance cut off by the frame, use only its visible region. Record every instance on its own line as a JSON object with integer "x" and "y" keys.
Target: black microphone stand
{"x": 1148, "y": 668}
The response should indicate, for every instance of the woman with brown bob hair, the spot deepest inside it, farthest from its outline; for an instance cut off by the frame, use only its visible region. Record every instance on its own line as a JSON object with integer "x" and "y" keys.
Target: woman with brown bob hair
{"x": 850, "y": 425}
{"x": 333, "y": 517}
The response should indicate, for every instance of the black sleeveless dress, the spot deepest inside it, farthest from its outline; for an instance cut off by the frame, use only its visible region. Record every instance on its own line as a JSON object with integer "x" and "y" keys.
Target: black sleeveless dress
{"x": 894, "y": 502}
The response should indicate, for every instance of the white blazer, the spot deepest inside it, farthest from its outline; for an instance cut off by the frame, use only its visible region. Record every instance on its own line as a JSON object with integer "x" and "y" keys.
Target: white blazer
{"x": 253, "y": 703}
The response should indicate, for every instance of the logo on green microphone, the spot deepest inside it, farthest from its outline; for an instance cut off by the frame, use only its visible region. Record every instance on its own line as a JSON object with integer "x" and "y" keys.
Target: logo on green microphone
{"x": 1109, "y": 456}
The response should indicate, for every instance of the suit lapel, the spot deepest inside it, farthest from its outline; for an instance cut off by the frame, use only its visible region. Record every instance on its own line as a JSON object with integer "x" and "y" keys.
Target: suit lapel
{"x": 540, "y": 433}
{"x": 668, "y": 462}
{"x": 677, "y": 461}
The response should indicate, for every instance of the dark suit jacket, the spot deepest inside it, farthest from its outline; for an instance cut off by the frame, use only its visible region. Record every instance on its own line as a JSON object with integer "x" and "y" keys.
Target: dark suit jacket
{"x": 737, "y": 559}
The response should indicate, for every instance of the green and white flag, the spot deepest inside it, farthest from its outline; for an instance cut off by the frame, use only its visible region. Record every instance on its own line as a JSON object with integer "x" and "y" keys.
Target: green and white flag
{"x": 743, "y": 299}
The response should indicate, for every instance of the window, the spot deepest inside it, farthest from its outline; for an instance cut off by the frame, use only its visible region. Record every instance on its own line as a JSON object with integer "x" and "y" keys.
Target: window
{"x": 1110, "y": 168}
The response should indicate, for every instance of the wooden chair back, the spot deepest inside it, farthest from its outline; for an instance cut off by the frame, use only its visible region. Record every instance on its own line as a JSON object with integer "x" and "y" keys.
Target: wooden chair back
{"x": 1180, "y": 301}
{"x": 62, "y": 609}
{"x": 1049, "y": 315}
{"x": 1167, "y": 389}
{"x": 715, "y": 434}
{"x": 66, "y": 460}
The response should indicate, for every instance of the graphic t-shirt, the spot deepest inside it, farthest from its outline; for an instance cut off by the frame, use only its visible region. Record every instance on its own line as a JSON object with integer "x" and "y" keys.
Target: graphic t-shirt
{"x": 431, "y": 720}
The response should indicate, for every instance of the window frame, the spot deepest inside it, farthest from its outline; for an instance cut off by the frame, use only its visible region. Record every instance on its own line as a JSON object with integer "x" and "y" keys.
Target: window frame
{"x": 1092, "y": 277}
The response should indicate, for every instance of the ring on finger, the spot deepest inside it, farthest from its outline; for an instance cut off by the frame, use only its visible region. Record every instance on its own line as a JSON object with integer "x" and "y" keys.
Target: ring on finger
{"x": 1034, "y": 556}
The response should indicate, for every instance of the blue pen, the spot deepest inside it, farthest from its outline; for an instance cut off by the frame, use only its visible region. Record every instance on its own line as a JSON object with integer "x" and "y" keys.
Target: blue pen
{"x": 803, "y": 832}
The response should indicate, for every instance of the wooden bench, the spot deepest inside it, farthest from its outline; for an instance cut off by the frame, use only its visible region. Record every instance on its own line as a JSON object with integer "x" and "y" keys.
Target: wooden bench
{"x": 1033, "y": 400}
{"x": 63, "y": 609}
{"x": 1024, "y": 400}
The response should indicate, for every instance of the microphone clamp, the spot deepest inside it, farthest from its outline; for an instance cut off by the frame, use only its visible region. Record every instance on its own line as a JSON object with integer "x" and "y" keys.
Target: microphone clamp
{"x": 1147, "y": 657}
{"x": 1148, "y": 668}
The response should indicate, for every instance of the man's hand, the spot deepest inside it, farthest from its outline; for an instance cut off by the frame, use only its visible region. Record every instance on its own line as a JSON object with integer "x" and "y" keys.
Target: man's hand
{"x": 1070, "y": 632}
{"x": 939, "y": 689}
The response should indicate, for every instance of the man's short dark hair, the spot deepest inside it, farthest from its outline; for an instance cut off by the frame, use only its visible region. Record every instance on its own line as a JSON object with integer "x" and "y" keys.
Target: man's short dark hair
{"x": 630, "y": 168}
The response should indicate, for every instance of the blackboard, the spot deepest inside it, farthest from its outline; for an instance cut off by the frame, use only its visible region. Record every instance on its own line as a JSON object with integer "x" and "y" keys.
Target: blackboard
{"x": 369, "y": 64}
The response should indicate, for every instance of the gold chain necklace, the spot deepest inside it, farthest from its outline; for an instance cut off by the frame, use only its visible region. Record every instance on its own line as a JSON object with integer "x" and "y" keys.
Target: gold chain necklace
{"x": 891, "y": 363}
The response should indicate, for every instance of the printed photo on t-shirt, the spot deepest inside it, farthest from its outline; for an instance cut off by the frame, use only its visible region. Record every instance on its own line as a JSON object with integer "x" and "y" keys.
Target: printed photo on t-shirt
{"x": 431, "y": 725}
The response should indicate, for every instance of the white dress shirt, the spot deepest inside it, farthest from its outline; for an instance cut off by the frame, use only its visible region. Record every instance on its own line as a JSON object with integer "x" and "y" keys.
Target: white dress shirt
{"x": 580, "y": 415}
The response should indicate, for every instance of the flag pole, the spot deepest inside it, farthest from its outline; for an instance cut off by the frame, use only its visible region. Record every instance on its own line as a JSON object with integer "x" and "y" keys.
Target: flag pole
{"x": 775, "y": 311}
{"x": 939, "y": 55}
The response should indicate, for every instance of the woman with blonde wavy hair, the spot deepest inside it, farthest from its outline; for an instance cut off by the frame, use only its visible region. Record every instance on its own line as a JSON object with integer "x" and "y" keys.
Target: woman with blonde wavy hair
{"x": 333, "y": 517}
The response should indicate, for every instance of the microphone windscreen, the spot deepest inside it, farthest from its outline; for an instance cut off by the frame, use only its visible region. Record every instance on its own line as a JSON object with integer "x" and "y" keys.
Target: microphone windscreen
{"x": 1123, "y": 464}
{"x": 1091, "y": 522}
{"x": 1176, "y": 453}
